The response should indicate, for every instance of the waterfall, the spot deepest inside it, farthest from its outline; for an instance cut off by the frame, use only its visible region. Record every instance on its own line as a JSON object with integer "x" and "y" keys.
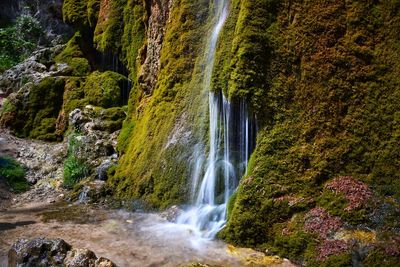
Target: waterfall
{"x": 215, "y": 177}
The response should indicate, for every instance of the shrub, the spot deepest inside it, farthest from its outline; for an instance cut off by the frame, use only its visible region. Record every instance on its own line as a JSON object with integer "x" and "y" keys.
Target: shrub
{"x": 75, "y": 168}
{"x": 74, "y": 171}
{"x": 13, "y": 174}
{"x": 18, "y": 41}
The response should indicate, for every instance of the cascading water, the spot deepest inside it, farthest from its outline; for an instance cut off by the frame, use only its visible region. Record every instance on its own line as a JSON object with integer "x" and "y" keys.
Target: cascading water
{"x": 231, "y": 140}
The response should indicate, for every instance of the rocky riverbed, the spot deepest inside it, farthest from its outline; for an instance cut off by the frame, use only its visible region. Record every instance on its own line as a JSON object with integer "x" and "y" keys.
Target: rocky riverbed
{"x": 127, "y": 238}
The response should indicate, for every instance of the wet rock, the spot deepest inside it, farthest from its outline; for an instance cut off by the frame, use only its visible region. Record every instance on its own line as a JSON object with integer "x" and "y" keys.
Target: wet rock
{"x": 171, "y": 213}
{"x": 43, "y": 163}
{"x": 103, "y": 262}
{"x": 101, "y": 171}
{"x": 42, "y": 251}
{"x": 77, "y": 118}
{"x": 38, "y": 252}
{"x": 80, "y": 257}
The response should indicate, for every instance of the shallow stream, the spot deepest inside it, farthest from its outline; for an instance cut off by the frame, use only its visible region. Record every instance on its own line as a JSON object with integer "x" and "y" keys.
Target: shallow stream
{"x": 129, "y": 239}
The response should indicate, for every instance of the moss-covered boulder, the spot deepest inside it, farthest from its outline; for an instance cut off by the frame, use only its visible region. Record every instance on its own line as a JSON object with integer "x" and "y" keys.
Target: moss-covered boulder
{"x": 33, "y": 111}
{"x": 74, "y": 57}
{"x": 104, "y": 89}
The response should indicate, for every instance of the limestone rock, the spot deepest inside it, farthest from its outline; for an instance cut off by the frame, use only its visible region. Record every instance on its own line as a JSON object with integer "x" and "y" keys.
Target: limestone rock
{"x": 101, "y": 171}
{"x": 80, "y": 257}
{"x": 32, "y": 70}
{"x": 160, "y": 11}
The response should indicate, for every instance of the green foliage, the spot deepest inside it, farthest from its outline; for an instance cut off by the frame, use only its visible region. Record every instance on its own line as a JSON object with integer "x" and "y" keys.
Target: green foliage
{"x": 104, "y": 89}
{"x": 18, "y": 41}
{"x": 13, "y": 174}
{"x": 74, "y": 168}
{"x": 74, "y": 171}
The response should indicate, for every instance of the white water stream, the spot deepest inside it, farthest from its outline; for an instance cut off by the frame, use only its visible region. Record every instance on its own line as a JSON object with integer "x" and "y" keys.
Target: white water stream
{"x": 214, "y": 180}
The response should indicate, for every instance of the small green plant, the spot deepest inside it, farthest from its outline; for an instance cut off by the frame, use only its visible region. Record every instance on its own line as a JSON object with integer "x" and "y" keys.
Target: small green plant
{"x": 74, "y": 168}
{"x": 74, "y": 171}
{"x": 13, "y": 174}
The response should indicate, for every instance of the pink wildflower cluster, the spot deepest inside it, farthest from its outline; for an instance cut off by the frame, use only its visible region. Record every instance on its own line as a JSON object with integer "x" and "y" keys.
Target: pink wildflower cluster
{"x": 318, "y": 221}
{"x": 393, "y": 247}
{"x": 356, "y": 192}
{"x": 331, "y": 247}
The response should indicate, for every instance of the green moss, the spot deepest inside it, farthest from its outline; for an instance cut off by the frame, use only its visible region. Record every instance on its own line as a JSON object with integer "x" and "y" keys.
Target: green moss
{"x": 133, "y": 37}
{"x": 326, "y": 97}
{"x": 378, "y": 257}
{"x": 13, "y": 174}
{"x": 34, "y": 115}
{"x": 124, "y": 136}
{"x": 104, "y": 89}
{"x": 142, "y": 170}
{"x": 110, "y": 119}
{"x": 74, "y": 57}
{"x": 336, "y": 205}
{"x": 110, "y": 26}
{"x": 75, "y": 12}
{"x": 80, "y": 66}
{"x": 45, "y": 130}
{"x": 93, "y": 8}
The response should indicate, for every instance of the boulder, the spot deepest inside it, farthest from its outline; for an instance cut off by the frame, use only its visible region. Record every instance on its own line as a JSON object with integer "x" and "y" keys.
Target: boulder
{"x": 38, "y": 252}
{"x": 43, "y": 251}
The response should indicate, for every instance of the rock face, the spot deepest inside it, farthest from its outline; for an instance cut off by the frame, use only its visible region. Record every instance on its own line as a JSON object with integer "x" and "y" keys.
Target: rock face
{"x": 42, "y": 251}
{"x": 33, "y": 70}
{"x": 98, "y": 131}
{"x": 47, "y": 12}
{"x": 159, "y": 16}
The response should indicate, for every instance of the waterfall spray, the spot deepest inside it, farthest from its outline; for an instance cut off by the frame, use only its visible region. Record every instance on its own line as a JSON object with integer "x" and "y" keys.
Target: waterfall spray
{"x": 230, "y": 133}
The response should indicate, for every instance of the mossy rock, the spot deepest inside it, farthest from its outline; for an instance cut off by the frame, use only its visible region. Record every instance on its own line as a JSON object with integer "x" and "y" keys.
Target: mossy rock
{"x": 110, "y": 119}
{"x": 34, "y": 115}
{"x": 104, "y": 89}
{"x": 74, "y": 57}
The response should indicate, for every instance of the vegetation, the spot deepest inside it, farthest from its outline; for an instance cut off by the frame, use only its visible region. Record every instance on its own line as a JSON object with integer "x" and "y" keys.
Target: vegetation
{"x": 104, "y": 89}
{"x": 328, "y": 112}
{"x": 74, "y": 57}
{"x": 322, "y": 79}
{"x": 35, "y": 115}
{"x": 13, "y": 174}
{"x": 18, "y": 41}
{"x": 75, "y": 168}
{"x": 141, "y": 172}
